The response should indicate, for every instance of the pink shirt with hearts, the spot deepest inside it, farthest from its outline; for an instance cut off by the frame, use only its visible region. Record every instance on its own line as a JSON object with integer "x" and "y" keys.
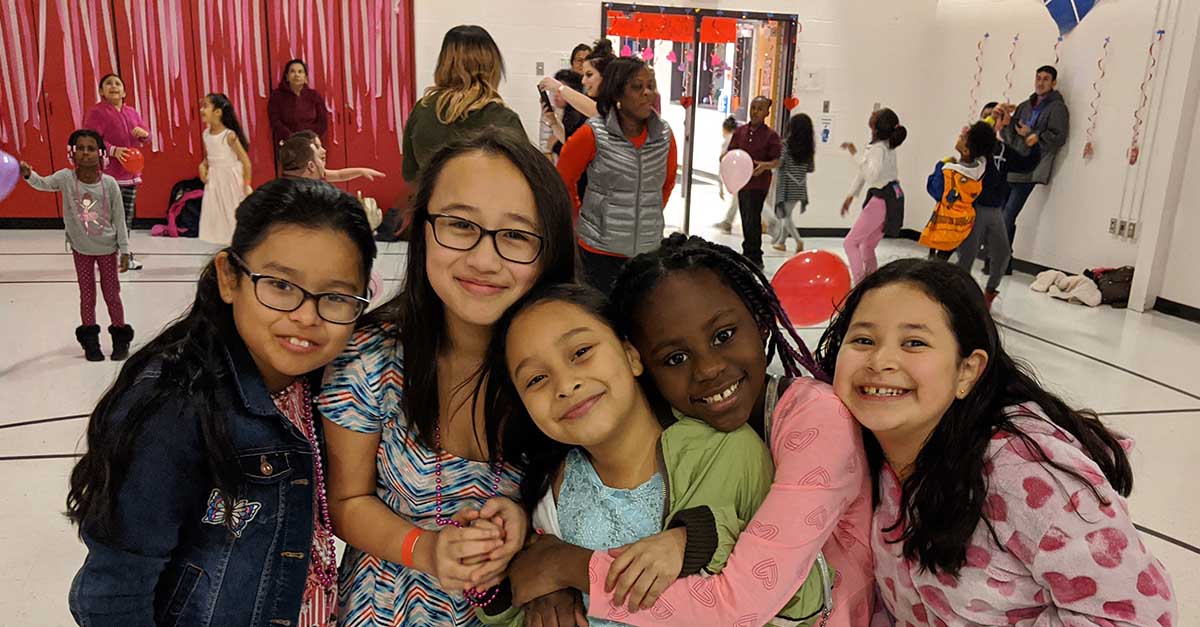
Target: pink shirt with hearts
{"x": 1067, "y": 560}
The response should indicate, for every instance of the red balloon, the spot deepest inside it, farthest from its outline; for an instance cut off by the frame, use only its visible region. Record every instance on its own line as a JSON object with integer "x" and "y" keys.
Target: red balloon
{"x": 134, "y": 161}
{"x": 811, "y": 285}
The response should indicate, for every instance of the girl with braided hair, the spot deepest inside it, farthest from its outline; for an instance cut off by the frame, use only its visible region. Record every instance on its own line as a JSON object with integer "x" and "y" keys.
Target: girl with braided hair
{"x": 707, "y": 323}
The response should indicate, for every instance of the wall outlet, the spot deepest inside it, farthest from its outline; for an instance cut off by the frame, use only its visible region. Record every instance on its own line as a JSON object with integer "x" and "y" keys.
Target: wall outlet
{"x": 541, "y": 68}
{"x": 825, "y": 107}
{"x": 1132, "y": 231}
{"x": 1122, "y": 228}
{"x": 1112, "y": 226}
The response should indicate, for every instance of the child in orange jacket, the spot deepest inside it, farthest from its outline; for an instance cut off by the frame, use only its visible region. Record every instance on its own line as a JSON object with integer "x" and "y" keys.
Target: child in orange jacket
{"x": 955, "y": 183}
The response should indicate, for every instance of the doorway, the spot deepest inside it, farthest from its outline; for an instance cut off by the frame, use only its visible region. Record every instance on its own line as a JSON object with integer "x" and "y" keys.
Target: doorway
{"x": 709, "y": 65}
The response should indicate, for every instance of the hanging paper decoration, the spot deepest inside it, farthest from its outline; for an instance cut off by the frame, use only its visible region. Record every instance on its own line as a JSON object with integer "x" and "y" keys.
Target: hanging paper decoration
{"x": 978, "y": 79}
{"x": 626, "y": 51}
{"x": 1144, "y": 101}
{"x": 1012, "y": 66}
{"x": 21, "y": 88}
{"x": 1068, "y": 13}
{"x": 689, "y": 55}
{"x": 1058, "y": 50}
{"x": 791, "y": 102}
{"x": 1088, "y": 148}
{"x": 672, "y": 57}
{"x": 648, "y": 54}
{"x": 716, "y": 59}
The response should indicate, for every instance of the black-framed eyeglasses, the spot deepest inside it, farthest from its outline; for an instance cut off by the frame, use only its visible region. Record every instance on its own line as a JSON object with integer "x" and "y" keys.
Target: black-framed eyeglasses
{"x": 514, "y": 245}
{"x": 283, "y": 295}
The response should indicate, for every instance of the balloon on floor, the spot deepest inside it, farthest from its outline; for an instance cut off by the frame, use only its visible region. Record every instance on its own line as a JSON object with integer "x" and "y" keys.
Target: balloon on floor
{"x": 811, "y": 285}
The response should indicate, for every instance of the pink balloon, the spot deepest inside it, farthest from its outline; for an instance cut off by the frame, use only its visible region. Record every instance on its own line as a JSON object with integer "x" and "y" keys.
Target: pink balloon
{"x": 10, "y": 173}
{"x": 626, "y": 51}
{"x": 736, "y": 168}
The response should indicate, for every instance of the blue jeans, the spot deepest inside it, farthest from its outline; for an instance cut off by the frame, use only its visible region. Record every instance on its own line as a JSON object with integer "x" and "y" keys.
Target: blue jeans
{"x": 1018, "y": 194}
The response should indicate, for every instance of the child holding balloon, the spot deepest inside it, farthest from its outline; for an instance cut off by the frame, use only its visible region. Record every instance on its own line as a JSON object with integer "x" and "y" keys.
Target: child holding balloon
{"x": 123, "y": 131}
{"x": 763, "y": 145}
{"x": 95, "y": 225}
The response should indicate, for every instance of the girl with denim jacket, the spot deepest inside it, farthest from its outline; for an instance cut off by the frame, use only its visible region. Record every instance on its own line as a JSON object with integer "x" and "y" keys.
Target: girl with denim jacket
{"x": 201, "y": 497}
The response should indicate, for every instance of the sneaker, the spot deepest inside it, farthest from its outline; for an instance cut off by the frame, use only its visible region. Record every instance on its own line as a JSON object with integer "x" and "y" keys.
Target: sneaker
{"x": 989, "y": 297}
{"x": 780, "y": 247}
{"x": 134, "y": 264}
{"x": 724, "y": 227}
{"x": 800, "y": 246}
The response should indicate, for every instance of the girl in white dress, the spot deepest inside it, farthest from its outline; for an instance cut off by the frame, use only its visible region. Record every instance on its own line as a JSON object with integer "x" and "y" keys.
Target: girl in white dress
{"x": 225, "y": 169}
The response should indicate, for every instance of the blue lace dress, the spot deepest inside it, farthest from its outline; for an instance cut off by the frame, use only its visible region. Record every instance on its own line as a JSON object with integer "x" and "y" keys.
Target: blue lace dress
{"x": 597, "y": 517}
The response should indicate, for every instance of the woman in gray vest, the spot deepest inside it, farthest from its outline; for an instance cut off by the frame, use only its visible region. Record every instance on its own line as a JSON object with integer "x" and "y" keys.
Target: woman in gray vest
{"x": 630, "y": 158}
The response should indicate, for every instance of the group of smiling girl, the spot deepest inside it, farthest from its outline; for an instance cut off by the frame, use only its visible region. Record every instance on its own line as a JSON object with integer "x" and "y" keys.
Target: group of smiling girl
{"x": 498, "y": 444}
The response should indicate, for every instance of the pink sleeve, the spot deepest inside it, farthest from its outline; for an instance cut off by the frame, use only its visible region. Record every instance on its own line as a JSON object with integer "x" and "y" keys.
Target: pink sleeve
{"x": 138, "y": 122}
{"x": 820, "y": 465}
{"x": 1085, "y": 554}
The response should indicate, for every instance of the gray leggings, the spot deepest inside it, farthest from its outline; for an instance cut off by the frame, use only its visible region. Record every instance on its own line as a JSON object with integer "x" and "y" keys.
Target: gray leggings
{"x": 989, "y": 227}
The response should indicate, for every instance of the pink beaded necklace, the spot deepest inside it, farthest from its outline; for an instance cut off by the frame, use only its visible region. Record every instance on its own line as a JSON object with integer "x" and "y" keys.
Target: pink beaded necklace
{"x": 474, "y": 597}
{"x": 324, "y": 554}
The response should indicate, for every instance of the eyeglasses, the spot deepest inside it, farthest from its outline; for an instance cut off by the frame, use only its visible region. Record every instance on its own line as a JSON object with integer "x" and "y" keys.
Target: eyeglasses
{"x": 513, "y": 245}
{"x": 281, "y": 295}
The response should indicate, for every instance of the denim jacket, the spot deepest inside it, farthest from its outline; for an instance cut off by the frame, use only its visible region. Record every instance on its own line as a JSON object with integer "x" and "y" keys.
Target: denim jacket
{"x": 171, "y": 560}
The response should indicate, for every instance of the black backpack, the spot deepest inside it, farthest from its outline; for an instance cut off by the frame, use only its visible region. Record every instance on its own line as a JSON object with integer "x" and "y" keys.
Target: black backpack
{"x": 189, "y": 217}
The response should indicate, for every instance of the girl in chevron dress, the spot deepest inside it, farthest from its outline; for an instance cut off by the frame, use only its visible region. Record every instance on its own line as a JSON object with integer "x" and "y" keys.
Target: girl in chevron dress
{"x": 413, "y": 463}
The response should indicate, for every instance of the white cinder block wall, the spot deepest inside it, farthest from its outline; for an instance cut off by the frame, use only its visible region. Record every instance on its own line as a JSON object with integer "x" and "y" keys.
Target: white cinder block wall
{"x": 918, "y": 57}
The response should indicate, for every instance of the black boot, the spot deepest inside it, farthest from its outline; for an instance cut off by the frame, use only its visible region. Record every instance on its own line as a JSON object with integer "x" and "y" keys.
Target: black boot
{"x": 121, "y": 338}
{"x": 89, "y": 339}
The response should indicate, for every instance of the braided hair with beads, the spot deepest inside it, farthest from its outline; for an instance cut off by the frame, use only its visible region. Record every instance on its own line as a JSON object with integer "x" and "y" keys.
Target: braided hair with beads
{"x": 680, "y": 253}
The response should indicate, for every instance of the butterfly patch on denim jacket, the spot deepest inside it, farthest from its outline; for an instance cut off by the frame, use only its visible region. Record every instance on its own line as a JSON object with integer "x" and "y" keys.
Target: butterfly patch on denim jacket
{"x": 243, "y": 512}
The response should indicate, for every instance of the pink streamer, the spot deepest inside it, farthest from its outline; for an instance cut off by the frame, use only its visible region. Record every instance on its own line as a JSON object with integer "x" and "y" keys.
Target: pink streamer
{"x": 41, "y": 59}
{"x": 18, "y": 66}
{"x": 204, "y": 58}
{"x": 309, "y": 48}
{"x": 394, "y": 26}
{"x": 147, "y": 71}
{"x": 259, "y": 59}
{"x": 187, "y": 106}
{"x": 17, "y": 129}
{"x": 106, "y": 16}
{"x": 346, "y": 71}
{"x": 86, "y": 22}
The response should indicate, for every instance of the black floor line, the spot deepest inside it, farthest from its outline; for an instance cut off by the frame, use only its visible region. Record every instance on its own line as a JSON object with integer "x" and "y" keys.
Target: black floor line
{"x": 41, "y": 421}
{"x": 1143, "y": 412}
{"x": 18, "y": 458}
{"x": 1099, "y": 360}
{"x": 1166, "y": 538}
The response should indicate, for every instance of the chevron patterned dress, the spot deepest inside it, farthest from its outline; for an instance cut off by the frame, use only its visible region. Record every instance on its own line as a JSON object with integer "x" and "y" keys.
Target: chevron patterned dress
{"x": 362, "y": 392}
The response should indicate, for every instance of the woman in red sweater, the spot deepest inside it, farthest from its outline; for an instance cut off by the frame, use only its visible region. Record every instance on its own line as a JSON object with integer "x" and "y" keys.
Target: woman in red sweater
{"x": 294, "y": 106}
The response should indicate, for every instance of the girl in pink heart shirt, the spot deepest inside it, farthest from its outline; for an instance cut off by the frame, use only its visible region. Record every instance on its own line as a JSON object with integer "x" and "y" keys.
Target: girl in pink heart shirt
{"x": 996, "y": 503}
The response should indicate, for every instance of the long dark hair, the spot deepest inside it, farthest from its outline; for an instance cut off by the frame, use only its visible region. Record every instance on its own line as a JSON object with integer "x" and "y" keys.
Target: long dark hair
{"x": 537, "y": 455}
{"x": 942, "y": 502}
{"x": 192, "y": 350}
{"x": 888, "y": 128}
{"x": 680, "y": 253}
{"x": 418, "y": 312}
{"x": 801, "y": 143}
{"x": 229, "y": 117}
{"x": 616, "y": 77}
